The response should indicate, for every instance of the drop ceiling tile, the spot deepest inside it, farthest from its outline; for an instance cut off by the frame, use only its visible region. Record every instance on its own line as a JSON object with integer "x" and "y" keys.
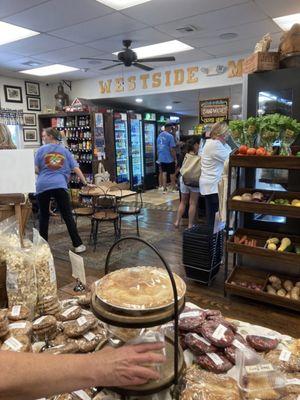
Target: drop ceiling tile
{"x": 99, "y": 28}
{"x": 160, "y": 11}
{"x": 68, "y": 54}
{"x": 36, "y": 44}
{"x": 9, "y": 7}
{"x": 56, "y": 14}
{"x": 17, "y": 64}
{"x": 6, "y": 56}
{"x": 279, "y": 8}
{"x": 142, "y": 37}
{"x": 220, "y": 19}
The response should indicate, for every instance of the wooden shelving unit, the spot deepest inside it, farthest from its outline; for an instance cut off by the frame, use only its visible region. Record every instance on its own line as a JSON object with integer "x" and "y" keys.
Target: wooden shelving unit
{"x": 254, "y": 264}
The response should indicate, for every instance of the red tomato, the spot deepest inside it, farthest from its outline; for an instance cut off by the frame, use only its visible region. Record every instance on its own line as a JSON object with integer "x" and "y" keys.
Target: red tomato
{"x": 251, "y": 151}
{"x": 260, "y": 151}
{"x": 243, "y": 149}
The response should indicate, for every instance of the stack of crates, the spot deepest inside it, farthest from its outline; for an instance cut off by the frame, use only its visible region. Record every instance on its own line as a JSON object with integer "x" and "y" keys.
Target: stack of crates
{"x": 202, "y": 253}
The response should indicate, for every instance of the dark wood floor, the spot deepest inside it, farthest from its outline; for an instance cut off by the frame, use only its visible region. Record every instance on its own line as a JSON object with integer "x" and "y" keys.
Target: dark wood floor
{"x": 282, "y": 320}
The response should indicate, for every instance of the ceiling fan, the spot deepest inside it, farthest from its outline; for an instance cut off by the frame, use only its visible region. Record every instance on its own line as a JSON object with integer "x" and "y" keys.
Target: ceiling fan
{"x": 128, "y": 58}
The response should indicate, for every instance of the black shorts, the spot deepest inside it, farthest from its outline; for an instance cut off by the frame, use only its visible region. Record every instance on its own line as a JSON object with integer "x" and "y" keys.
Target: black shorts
{"x": 169, "y": 168}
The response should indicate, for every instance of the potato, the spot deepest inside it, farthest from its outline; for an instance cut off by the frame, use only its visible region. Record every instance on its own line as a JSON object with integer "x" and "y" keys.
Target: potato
{"x": 297, "y": 284}
{"x": 270, "y": 289}
{"x": 281, "y": 293}
{"x": 288, "y": 295}
{"x": 288, "y": 285}
{"x": 295, "y": 293}
{"x": 275, "y": 282}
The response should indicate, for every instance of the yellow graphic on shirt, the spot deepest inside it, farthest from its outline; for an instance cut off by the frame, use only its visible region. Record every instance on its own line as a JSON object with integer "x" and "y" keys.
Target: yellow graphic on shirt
{"x": 54, "y": 160}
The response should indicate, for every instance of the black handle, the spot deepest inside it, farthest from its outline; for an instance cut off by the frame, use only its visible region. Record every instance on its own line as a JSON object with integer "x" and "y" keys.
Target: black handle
{"x": 166, "y": 265}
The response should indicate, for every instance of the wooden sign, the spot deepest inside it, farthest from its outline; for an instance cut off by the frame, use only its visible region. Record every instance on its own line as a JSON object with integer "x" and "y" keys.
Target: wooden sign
{"x": 213, "y": 110}
{"x": 258, "y": 62}
{"x": 235, "y": 68}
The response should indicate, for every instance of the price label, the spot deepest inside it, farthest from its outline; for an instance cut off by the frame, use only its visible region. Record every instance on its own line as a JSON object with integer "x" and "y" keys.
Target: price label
{"x": 236, "y": 343}
{"x": 78, "y": 270}
{"x": 39, "y": 320}
{"x": 15, "y": 311}
{"x": 285, "y": 355}
{"x": 293, "y": 381}
{"x": 52, "y": 270}
{"x": 13, "y": 343}
{"x": 201, "y": 339}
{"x": 82, "y": 395}
{"x": 17, "y": 325}
{"x": 260, "y": 368}
{"x": 89, "y": 336}
{"x": 219, "y": 332}
{"x": 81, "y": 321}
{"x": 215, "y": 358}
{"x": 69, "y": 311}
{"x": 190, "y": 314}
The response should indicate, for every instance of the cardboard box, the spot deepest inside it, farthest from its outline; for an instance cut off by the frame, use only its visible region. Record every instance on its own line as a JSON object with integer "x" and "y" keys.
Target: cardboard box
{"x": 260, "y": 61}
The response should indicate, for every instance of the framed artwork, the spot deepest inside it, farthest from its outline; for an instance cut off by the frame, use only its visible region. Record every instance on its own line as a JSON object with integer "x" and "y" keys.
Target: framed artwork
{"x": 29, "y": 119}
{"x": 33, "y": 103}
{"x": 32, "y": 88}
{"x": 13, "y": 94}
{"x": 30, "y": 135}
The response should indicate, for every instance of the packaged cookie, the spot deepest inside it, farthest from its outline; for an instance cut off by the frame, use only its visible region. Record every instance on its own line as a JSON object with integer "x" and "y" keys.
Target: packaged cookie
{"x": 44, "y": 322}
{"x": 20, "y": 328}
{"x": 80, "y": 326}
{"x": 89, "y": 341}
{"x": 18, "y": 344}
{"x": 284, "y": 359}
{"x": 66, "y": 348}
{"x": 18, "y": 312}
{"x": 49, "y": 305}
{"x": 69, "y": 313}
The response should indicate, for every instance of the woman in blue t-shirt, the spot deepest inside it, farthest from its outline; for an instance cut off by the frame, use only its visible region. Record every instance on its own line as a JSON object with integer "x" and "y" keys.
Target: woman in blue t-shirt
{"x": 54, "y": 164}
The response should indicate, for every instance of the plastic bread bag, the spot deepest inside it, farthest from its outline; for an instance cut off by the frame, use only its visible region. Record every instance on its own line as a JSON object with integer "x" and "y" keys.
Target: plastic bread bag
{"x": 258, "y": 378}
{"x": 9, "y": 237}
{"x": 44, "y": 266}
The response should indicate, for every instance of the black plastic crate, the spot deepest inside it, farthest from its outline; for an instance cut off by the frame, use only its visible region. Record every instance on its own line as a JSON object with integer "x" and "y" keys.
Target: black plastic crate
{"x": 201, "y": 275}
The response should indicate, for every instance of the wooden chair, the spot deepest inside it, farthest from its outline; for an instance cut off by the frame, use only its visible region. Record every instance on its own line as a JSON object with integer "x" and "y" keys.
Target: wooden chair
{"x": 134, "y": 209}
{"x": 82, "y": 210}
{"x": 105, "y": 211}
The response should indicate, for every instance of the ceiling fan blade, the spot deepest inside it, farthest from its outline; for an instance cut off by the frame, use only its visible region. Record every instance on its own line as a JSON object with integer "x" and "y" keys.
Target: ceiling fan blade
{"x": 142, "y": 66}
{"x": 156, "y": 59}
{"x": 110, "y": 66}
{"x": 100, "y": 59}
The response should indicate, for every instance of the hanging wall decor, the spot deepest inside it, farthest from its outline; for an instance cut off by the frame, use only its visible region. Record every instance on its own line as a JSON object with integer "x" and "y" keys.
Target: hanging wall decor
{"x": 32, "y": 88}
{"x": 33, "y": 103}
{"x": 29, "y": 119}
{"x": 13, "y": 94}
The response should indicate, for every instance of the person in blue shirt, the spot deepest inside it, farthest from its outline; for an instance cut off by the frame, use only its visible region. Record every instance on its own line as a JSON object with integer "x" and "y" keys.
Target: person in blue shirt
{"x": 166, "y": 150}
{"x": 54, "y": 164}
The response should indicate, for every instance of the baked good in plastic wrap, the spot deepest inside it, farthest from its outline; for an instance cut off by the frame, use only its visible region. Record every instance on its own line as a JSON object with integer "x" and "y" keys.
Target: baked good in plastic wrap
{"x": 69, "y": 314}
{"x": 217, "y": 333}
{"x": 238, "y": 343}
{"x": 262, "y": 343}
{"x": 18, "y": 312}
{"x": 191, "y": 319}
{"x": 80, "y": 326}
{"x": 67, "y": 348}
{"x": 23, "y": 328}
{"x": 85, "y": 394}
{"x": 214, "y": 362}
{"x": 44, "y": 266}
{"x": 198, "y": 345}
{"x": 257, "y": 378}
{"x": 223, "y": 321}
{"x": 139, "y": 288}
{"x": 284, "y": 359}
{"x": 17, "y": 344}
{"x": 9, "y": 237}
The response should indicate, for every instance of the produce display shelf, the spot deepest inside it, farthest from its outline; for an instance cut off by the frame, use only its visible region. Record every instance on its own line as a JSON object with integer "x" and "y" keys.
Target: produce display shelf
{"x": 258, "y": 276}
{"x": 259, "y": 250}
{"x": 265, "y": 207}
{"x": 278, "y": 162}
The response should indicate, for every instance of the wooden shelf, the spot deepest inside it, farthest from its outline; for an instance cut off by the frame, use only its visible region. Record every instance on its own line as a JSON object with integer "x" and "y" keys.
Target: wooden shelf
{"x": 64, "y": 114}
{"x": 265, "y": 207}
{"x": 242, "y": 273}
{"x": 261, "y": 237}
{"x": 278, "y": 162}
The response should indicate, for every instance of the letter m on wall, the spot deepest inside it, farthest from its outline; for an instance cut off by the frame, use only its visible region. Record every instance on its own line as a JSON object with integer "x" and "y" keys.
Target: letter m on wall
{"x": 235, "y": 68}
{"x": 105, "y": 86}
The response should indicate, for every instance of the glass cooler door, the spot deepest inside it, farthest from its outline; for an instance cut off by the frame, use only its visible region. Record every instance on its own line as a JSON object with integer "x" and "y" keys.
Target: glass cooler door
{"x": 137, "y": 158}
{"x": 121, "y": 148}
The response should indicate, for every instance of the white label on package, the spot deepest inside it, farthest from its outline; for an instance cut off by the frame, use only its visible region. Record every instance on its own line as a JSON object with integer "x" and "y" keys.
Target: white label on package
{"x": 78, "y": 271}
{"x": 39, "y": 320}
{"x": 215, "y": 358}
{"x": 254, "y": 369}
{"x": 81, "y": 321}
{"x": 82, "y": 395}
{"x": 69, "y": 311}
{"x": 89, "y": 336}
{"x": 293, "y": 381}
{"x": 52, "y": 270}
{"x": 201, "y": 339}
{"x": 285, "y": 355}
{"x": 13, "y": 343}
{"x": 15, "y": 311}
{"x": 86, "y": 312}
{"x": 236, "y": 343}
{"x": 17, "y": 325}
{"x": 219, "y": 332}
{"x": 190, "y": 314}
{"x": 272, "y": 337}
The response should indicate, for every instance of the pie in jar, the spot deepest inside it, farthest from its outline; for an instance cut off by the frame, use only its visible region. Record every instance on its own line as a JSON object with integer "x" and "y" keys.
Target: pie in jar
{"x": 139, "y": 288}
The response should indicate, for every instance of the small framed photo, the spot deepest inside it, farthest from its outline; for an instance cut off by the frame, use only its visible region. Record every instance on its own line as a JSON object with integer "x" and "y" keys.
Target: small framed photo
{"x": 33, "y": 103}
{"x": 29, "y": 119}
{"x": 32, "y": 88}
{"x": 30, "y": 135}
{"x": 13, "y": 94}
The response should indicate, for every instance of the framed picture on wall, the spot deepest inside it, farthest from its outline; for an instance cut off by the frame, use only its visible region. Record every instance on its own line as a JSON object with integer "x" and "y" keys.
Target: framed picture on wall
{"x": 13, "y": 94}
{"x": 32, "y": 88}
{"x": 33, "y": 103}
{"x": 30, "y": 135}
{"x": 29, "y": 119}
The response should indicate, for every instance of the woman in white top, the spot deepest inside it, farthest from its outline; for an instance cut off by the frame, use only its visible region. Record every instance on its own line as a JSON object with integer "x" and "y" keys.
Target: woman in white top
{"x": 214, "y": 154}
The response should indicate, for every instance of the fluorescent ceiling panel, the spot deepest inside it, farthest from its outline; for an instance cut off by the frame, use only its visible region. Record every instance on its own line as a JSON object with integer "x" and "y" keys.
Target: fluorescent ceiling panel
{"x": 287, "y": 21}
{"x": 49, "y": 70}
{"x": 160, "y": 49}
{"x": 122, "y": 4}
{"x": 11, "y": 33}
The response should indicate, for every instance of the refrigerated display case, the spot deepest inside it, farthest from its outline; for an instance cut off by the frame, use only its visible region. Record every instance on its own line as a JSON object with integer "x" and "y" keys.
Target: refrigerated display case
{"x": 121, "y": 148}
{"x": 137, "y": 151}
{"x": 150, "y": 150}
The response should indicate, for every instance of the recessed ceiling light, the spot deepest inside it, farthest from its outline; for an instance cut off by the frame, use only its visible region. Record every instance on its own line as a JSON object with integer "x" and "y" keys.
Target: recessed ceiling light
{"x": 287, "y": 21}
{"x": 235, "y": 106}
{"x": 121, "y": 4}
{"x": 49, "y": 70}
{"x": 139, "y": 100}
{"x": 11, "y": 33}
{"x": 159, "y": 49}
{"x": 169, "y": 107}
{"x": 228, "y": 36}
{"x": 32, "y": 63}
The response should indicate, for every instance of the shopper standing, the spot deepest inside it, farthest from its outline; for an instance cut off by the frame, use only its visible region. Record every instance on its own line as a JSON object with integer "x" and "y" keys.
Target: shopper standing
{"x": 54, "y": 164}
{"x": 214, "y": 155}
{"x": 189, "y": 194}
{"x": 166, "y": 149}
